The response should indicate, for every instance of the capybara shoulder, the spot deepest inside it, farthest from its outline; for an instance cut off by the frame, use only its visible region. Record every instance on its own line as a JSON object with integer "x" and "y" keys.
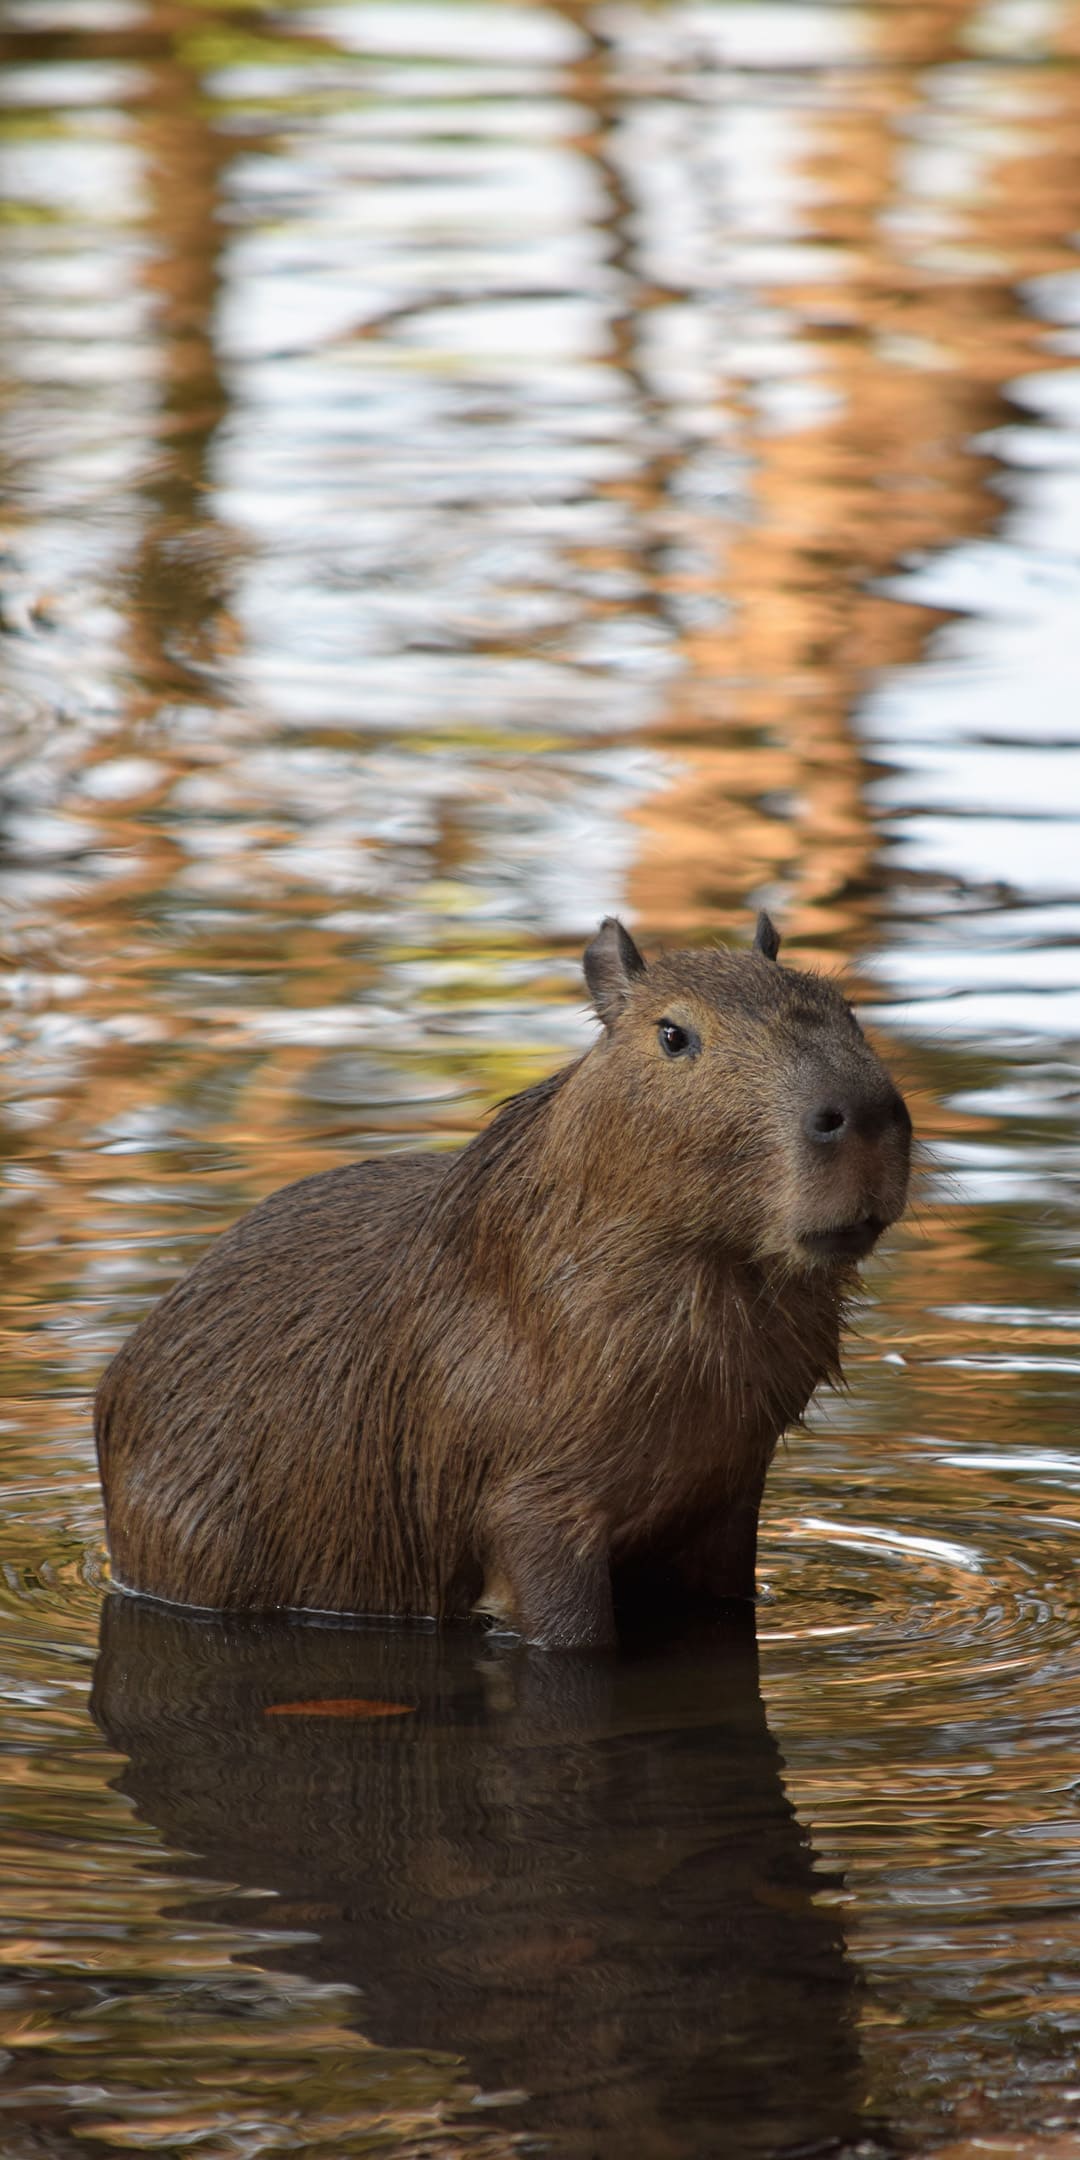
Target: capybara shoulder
{"x": 544, "y": 1375}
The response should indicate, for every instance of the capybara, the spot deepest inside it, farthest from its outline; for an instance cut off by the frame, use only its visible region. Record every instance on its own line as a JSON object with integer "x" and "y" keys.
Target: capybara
{"x": 541, "y": 1378}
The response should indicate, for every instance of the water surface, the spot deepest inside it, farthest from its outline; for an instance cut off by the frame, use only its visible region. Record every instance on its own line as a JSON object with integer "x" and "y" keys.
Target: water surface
{"x": 467, "y": 467}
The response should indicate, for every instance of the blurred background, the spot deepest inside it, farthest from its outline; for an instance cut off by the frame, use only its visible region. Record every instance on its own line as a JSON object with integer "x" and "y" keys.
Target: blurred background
{"x": 468, "y": 467}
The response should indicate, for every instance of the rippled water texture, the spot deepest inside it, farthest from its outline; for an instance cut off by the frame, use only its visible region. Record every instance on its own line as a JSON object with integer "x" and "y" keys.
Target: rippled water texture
{"x": 466, "y": 467}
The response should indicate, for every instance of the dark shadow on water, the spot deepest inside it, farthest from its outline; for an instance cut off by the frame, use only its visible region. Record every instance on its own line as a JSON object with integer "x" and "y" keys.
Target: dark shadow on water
{"x": 582, "y": 1876}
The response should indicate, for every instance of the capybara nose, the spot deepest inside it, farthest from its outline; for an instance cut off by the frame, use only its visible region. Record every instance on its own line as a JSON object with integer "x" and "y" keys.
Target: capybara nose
{"x": 870, "y": 1115}
{"x": 827, "y": 1125}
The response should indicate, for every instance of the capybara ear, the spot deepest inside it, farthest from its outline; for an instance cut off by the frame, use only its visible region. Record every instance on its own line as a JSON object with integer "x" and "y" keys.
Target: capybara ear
{"x": 611, "y": 963}
{"x": 766, "y": 937}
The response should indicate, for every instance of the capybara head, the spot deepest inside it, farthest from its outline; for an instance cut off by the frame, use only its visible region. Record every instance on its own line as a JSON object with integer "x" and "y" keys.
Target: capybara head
{"x": 743, "y": 1100}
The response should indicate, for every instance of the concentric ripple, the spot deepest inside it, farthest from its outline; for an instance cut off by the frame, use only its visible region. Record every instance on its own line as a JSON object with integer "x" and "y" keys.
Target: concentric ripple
{"x": 959, "y": 1565}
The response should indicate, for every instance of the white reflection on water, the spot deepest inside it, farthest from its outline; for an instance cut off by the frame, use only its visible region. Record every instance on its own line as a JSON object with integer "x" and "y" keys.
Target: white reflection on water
{"x": 899, "y": 1541}
{"x": 983, "y": 786}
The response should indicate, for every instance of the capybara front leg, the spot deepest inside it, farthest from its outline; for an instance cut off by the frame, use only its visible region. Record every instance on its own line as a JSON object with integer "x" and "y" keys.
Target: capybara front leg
{"x": 719, "y": 1561}
{"x": 558, "y": 1587}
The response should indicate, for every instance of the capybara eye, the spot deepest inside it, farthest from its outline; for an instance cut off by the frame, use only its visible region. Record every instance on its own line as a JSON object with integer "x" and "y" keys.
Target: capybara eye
{"x": 676, "y": 1041}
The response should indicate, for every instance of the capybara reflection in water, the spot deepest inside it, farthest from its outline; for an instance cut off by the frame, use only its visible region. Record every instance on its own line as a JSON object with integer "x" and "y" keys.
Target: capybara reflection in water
{"x": 541, "y": 1378}
{"x": 581, "y": 1877}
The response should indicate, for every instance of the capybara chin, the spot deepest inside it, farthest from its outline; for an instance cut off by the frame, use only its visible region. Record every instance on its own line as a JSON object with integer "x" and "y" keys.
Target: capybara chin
{"x": 541, "y": 1378}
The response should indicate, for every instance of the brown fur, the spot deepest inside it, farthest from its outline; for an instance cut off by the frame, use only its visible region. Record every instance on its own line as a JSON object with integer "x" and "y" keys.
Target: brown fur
{"x": 563, "y": 1356}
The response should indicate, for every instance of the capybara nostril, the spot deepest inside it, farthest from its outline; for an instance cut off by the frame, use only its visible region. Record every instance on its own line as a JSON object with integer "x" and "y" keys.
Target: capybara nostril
{"x": 871, "y": 1112}
{"x": 826, "y": 1125}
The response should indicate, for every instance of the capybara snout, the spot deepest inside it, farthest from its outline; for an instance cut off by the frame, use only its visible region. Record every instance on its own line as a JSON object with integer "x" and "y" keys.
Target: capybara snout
{"x": 496, "y": 1381}
{"x": 850, "y": 1172}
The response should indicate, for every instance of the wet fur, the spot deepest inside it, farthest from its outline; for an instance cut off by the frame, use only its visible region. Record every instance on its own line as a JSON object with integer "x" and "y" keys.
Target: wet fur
{"x": 511, "y": 1377}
